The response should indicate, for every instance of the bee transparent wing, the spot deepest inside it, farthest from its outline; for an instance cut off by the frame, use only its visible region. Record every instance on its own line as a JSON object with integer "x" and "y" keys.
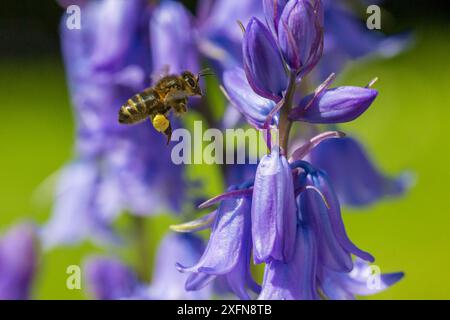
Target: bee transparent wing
{"x": 158, "y": 75}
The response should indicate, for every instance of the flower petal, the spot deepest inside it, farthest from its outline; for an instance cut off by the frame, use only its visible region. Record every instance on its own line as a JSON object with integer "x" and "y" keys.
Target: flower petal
{"x": 354, "y": 176}
{"x": 273, "y": 10}
{"x": 254, "y": 107}
{"x": 295, "y": 280}
{"x": 273, "y": 210}
{"x": 300, "y": 34}
{"x": 172, "y": 38}
{"x": 342, "y": 104}
{"x": 262, "y": 62}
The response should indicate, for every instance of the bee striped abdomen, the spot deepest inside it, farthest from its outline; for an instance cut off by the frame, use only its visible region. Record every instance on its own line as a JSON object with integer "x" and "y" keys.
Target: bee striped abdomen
{"x": 138, "y": 108}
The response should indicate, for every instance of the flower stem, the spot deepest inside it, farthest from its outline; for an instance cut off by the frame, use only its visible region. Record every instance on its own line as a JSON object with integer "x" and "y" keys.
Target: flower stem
{"x": 285, "y": 122}
{"x": 142, "y": 247}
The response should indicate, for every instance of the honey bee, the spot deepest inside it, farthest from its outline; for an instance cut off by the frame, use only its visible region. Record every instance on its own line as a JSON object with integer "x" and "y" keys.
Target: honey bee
{"x": 171, "y": 92}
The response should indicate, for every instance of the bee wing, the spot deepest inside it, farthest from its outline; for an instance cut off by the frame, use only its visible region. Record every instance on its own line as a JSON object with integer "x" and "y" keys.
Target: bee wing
{"x": 158, "y": 75}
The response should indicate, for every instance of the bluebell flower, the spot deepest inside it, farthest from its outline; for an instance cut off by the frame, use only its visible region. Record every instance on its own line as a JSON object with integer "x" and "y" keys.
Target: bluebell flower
{"x": 253, "y": 107}
{"x": 110, "y": 279}
{"x": 18, "y": 262}
{"x": 347, "y": 39}
{"x": 354, "y": 177}
{"x": 361, "y": 281}
{"x": 319, "y": 210}
{"x": 273, "y": 210}
{"x": 126, "y": 168}
{"x": 338, "y": 105}
{"x": 295, "y": 280}
{"x": 300, "y": 34}
{"x": 273, "y": 9}
{"x": 267, "y": 74}
{"x": 260, "y": 49}
{"x": 322, "y": 266}
{"x": 76, "y": 214}
{"x": 228, "y": 251}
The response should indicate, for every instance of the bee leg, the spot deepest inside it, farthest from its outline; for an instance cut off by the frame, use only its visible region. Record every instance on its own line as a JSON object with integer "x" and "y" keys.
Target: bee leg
{"x": 162, "y": 124}
{"x": 168, "y": 133}
{"x": 180, "y": 107}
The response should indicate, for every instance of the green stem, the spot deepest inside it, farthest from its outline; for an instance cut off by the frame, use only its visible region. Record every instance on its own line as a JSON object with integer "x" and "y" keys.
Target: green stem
{"x": 142, "y": 247}
{"x": 285, "y": 123}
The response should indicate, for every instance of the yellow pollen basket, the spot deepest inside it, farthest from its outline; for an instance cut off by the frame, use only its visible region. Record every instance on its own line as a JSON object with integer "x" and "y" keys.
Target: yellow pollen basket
{"x": 160, "y": 122}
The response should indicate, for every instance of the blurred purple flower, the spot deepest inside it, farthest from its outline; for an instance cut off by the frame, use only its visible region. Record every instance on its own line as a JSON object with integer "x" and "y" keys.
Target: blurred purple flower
{"x": 220, "y": 37}
{"x": 167, "y": 282}
{"x": 354, "y": 177}
{"x": 76, "y": 212}
{"x": 347, "y": 38}
{"x": 126, "y": 168}
{"x": 110, "y": 279}
{"x": 173, "y": 38}
{"x": 18, "y": 262}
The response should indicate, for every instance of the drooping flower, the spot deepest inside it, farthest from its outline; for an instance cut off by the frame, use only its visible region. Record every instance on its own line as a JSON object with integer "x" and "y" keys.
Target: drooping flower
{"x": 295, "y": 280}
{"x": 361, "y": 281}
{"x": 319, "y": 209}
{"x": 168, "y": 283}
{"x": 18, "y": 262}
{"x": 354, "y": 177}
{"x": 322, "y": 266}
{"x": 273, "y": 210}
{"x": 228, "y": 251}
{"x": 110, "y": 279}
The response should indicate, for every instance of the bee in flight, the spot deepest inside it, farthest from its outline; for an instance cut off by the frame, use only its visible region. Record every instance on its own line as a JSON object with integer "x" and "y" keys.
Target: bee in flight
{"x": 171, "y": 92}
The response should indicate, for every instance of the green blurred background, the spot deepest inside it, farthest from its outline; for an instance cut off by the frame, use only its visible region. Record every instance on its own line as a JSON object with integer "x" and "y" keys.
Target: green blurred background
{"x": 405, "y": 129}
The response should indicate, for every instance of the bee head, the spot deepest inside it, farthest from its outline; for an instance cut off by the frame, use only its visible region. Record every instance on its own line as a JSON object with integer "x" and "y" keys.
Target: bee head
{"x": 192, "y": 83}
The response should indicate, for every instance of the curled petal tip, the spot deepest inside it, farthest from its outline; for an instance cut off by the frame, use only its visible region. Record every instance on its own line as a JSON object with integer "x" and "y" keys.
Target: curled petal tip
{"x": 195, "y": 225}
{"x": 226, "y": 195}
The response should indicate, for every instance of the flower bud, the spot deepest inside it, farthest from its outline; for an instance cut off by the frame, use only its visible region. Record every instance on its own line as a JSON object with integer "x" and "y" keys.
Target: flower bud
{"x": 300, "y": 34}
{"x": 273, "y": 10}
{"x": 338, "y": 105}
{"x": 262, "y": 62}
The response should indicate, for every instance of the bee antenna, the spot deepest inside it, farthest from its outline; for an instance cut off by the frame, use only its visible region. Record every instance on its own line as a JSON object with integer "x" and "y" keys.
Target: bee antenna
{"x": 206, "y": 72}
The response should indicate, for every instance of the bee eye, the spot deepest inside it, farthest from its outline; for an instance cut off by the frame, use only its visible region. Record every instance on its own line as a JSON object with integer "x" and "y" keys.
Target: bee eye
{"x": 190, "y": 82}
